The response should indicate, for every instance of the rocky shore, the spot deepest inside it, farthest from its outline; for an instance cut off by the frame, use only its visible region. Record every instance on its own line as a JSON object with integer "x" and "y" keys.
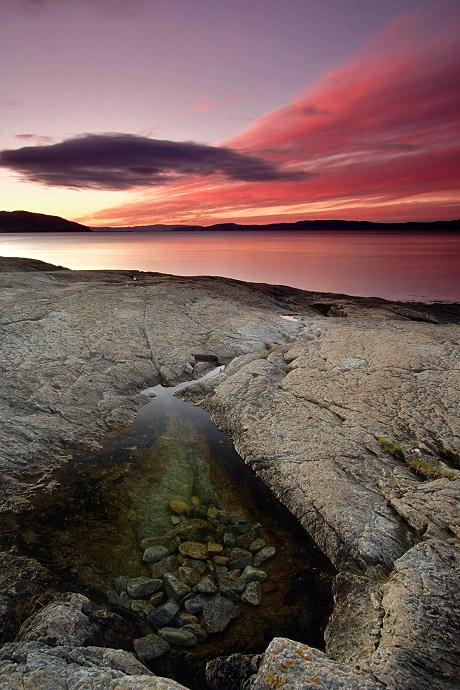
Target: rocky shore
{"x": 347, "y": 408}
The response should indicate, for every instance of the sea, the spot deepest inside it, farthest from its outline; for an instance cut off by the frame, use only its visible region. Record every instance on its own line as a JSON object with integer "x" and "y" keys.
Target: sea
{"x": 394, "y": 265}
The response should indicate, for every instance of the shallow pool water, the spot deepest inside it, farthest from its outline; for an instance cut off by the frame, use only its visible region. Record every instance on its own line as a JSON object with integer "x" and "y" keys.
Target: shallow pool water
{"x": 89, "y": 530}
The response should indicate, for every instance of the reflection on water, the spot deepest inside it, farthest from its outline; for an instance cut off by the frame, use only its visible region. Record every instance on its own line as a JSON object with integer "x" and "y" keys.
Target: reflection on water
{"x": 89, "y": 530}
{"x": 394, "y": 265}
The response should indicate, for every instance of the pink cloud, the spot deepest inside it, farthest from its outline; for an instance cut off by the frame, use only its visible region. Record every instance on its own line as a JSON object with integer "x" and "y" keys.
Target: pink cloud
{"x": 380, "y": 138}
{"x": 204, "y": 105}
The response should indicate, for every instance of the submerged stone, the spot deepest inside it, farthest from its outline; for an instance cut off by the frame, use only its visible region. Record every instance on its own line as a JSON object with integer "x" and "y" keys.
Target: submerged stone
{"x": 240, "y": 563}
{"x": 120, "y": 583}
{"x": 175, "y": 588}
{"x": 189, "y": 576}
{"x": 206, "y": 585}
{"x": 113, "y": 598}
{"x": 166, "y": 565}
{"x": 183, "y": 618}
{"x": 139, "y": 587}
{"x": 178, "y": 636}
{"x": 193, "y": 529}
{"x": 251, "y": 574}
{"x": 196, "y": 604}
{"x": 263, "y": 555}
{"x": 150, "y": 647}
{"x": 214, "y": 549}
{"x": 178, "y": 507}
{"x": 153, "y": 554}
{"x": 245, "y": 540}
{"x": 252, "y": 594}
{"x": 194, "y": 549}
{"x": 257, "y": 544}
{"x": 198, "y": 630}
{"x": 163, "y": 614}
{"x": 156, "y": 599}
{"x": 218, "y": 613}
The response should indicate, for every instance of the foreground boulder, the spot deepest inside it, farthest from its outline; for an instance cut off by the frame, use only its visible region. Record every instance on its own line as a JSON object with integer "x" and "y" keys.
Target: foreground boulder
{"x": 53, "y": 650}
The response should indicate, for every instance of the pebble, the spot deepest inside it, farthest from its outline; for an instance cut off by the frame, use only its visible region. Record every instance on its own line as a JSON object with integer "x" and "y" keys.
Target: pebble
{"x": 213, "y": 513}
{"x": 153, "y": 554}
{"x": 183, "y": 618}
{"x": 195, "y": 500}
{"x": 157, "y": 598}
{"x": 239, "y": 553}
{"x": 163, "y": 614}
{"x": 256, "y": 545}
{"x": 220, "y": 560}
{"x": 240, "y": 563}
{"x": 229, "y": 540}
{"x": 218, "y": 613}
{"x": 175, "y": 520}
{"x": 223, "y": 517}
{"x": 150, "y": 647}
{"x": 263, "y": 555}
{"x": 214, "y": 549}
{"x": 139, "y": 587}
{"x": 166, "y": 565}
{"x": 196, "y": 604}
{"x": 237, "y": 585}
{"x": 189, "y": 576}
{"x": 174, "y": 587}
{"x": 229, "y": 593}
{"x": 120, "y": 583}
{"x": 201, "y": 511}
{"x": 139, "y": 605}
{"x": 199, "y": 566}
{"x": 237, "y": 520}
{"x": 178, "y": 636}
{"x": 251, "y": 574}
{"x": 178, "y": 507}
{"x": 244, "y": 540}
{"x": 197, "y": 630}
{"x": 114, "y": 598}
{"x": 252, "y": 594}
{"x": 173, "y": 546}
{"x": 193, "y": 549}
{"x": 206, "y": 585}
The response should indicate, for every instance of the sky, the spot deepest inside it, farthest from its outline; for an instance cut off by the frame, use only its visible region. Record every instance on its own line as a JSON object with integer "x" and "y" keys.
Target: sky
{"x": 249, "y": 111}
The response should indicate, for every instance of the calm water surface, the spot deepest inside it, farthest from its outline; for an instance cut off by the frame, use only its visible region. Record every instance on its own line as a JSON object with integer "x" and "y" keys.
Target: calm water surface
{"x": 393, "y": 265}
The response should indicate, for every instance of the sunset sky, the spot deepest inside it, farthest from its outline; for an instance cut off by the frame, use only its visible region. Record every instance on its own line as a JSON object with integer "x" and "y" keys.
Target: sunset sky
{"x": 206, "y": 111}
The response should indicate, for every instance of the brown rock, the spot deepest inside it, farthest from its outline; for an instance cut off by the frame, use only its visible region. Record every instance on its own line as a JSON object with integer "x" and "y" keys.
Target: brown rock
{"x": 178, "y": 507}
{"x": 194, "y": 549}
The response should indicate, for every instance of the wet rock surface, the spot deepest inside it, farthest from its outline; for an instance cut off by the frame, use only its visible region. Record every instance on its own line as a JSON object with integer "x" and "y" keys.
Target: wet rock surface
{"x": 306, "y": 403}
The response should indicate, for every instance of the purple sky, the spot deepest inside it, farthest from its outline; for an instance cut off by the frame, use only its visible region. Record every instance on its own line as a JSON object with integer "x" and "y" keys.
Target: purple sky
{"x": 205, "y": 71}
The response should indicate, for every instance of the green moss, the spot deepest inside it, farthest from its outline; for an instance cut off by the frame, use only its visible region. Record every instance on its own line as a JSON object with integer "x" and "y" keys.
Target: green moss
{"x": 430, "y": 470}
{"x": 424, "y": 468}
{"x": 396, "y": 450}
{"x": 268, "y": 352}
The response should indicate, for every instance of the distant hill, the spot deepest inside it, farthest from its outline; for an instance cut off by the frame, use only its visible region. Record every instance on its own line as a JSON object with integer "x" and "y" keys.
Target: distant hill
{"x": 24, "y": 221}
{"x": 345, "y": 225}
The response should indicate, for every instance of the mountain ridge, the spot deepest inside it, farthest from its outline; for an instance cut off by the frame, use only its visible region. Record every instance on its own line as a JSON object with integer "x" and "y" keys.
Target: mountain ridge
{"x": 27, "y": 221}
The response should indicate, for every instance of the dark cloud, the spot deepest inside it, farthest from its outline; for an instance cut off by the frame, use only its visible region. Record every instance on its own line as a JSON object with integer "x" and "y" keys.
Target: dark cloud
{"x": 122, "y": 161}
